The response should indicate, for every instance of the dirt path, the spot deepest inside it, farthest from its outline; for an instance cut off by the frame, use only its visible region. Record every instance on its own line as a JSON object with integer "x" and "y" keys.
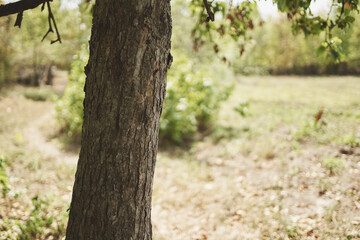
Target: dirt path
{"x": 36, "y": 122}
{"x": 38, "y": 141}
{"x": 37, "y": 161}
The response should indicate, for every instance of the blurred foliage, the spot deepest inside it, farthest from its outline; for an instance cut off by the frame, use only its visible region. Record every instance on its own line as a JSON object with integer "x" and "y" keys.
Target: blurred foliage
{"x": 333, "y": 164}
{"x": 231, "y": 21}
{"x": 70, "y": 107}
{"x": 274, "y": 49}
{"x": 194, "y": 90}
{"x": 3, "y": 176}
{"x": 22, "y": 49}
{"x": 38, "y": 94}
{"x": 352, "y": 141}
{"x": 192, "y": 101}
{"x": 5, "y": 50}
{"x": 38, "y": 223}
{"x": 235, "y": 20}
{"x": 242, "y": 108}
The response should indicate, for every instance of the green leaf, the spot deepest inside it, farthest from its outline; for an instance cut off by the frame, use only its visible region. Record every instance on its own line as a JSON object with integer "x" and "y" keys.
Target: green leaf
{"x": 321, "y": 50}
{"x": 281, "y": 5}
{"x": 334, "y": 54}
{"x": 316, "y": 28}
{"x": 349, "y": 19}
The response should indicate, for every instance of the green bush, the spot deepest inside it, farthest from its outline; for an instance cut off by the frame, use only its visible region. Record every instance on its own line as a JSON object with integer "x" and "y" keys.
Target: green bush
{"x": 191, "y": 103}
{"x": 37, "y": 94}
{"x": 70, "y": 107}
{"x": 41, "y": 223}
{"x": 192, "y": 100}
{"x": 3, "y": 176}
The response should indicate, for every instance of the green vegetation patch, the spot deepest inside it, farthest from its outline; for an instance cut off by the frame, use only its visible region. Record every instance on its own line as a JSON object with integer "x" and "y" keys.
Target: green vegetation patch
{"x": 3, "y": 176}
{"x": 333, "y": 164}
{"x": 38, "y": 94}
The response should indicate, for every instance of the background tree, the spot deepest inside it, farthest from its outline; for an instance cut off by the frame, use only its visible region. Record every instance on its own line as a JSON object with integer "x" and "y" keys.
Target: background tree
{"x": 23, "y": 54}
{"x": 295, "y": 54}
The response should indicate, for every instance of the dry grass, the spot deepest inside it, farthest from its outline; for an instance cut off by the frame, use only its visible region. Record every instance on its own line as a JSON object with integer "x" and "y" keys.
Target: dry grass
{"x": 270, "y": 174}
{"x": 40, "y": 175}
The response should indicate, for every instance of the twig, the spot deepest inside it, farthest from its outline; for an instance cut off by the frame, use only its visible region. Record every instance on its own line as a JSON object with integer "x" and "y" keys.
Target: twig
{"x": 50, "y": 27}
{"x": 329, "y": 28}
{"x": 19, "y": 19}
{"x": 209, "y": 11}
{"x": 327, "y": 22}
{"x": 51, "y": 20}
{"x": 56, "y": 29}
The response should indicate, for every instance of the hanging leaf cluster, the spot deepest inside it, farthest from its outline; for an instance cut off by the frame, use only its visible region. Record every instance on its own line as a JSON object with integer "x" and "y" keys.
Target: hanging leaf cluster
{"x": 223, "y": 18}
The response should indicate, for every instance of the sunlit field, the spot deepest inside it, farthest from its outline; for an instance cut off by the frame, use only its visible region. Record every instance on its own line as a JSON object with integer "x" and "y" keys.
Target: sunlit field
{"x": 282, "y": 161}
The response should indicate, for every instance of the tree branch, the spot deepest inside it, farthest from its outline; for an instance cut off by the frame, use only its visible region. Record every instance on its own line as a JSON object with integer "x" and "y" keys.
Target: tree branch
{"x": 51, "y": 18}
{"x": 18, "y": 7}
{"x": 209, "y": 12}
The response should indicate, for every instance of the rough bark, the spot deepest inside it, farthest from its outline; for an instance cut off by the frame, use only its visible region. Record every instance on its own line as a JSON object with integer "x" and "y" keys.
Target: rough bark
{"x": 124, "y": 93}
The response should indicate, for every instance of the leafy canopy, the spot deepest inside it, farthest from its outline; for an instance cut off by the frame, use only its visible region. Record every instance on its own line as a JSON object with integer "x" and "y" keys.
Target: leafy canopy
{"x": 220, "y": 18}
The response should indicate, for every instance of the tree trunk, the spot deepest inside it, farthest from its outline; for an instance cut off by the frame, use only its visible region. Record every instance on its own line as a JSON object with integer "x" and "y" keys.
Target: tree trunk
{"x": 124, "y": 93}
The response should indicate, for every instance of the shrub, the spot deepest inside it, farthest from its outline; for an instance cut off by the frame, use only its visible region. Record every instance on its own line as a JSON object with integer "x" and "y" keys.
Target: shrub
{"x": 192, "y": 100}
{"x": 41, "y": 224}
{"x": 333, "y": 164}
{"x": 37, "y": 94}
{"x": 70, "y": 107}
{"x": 39, "y": 221}
{"x": 242, "y": 108}
{"x": 3, "y": 176}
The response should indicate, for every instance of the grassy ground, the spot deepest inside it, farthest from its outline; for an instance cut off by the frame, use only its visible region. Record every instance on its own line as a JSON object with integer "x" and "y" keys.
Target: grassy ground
{"x": 270, "y": 174}
{"x": 266, "y": 172}
{"x": 36, "y": 185}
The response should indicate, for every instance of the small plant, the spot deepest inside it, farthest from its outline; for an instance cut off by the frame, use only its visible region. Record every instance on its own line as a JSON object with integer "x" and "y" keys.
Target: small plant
{"x": 333, "y": 164}
{"x": 353, "y": 141}
{"x": 70, "y": 107}
{"x": 324, "y": 186}
{"x": 292, "y": 231}
{"x": 305, "y": 131}
{"x": 310, "y": 130}
{"x": 295, "y": 170}
{"x": 330, "y": 214}
{"x": 18, "y": 139}
{"x": 318, "y": 117}
{"x": 37, "y": 94}
{"x": 242, "y": 108}
{"x": 3, "y": 176}
{"x": 41, "y": 223}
